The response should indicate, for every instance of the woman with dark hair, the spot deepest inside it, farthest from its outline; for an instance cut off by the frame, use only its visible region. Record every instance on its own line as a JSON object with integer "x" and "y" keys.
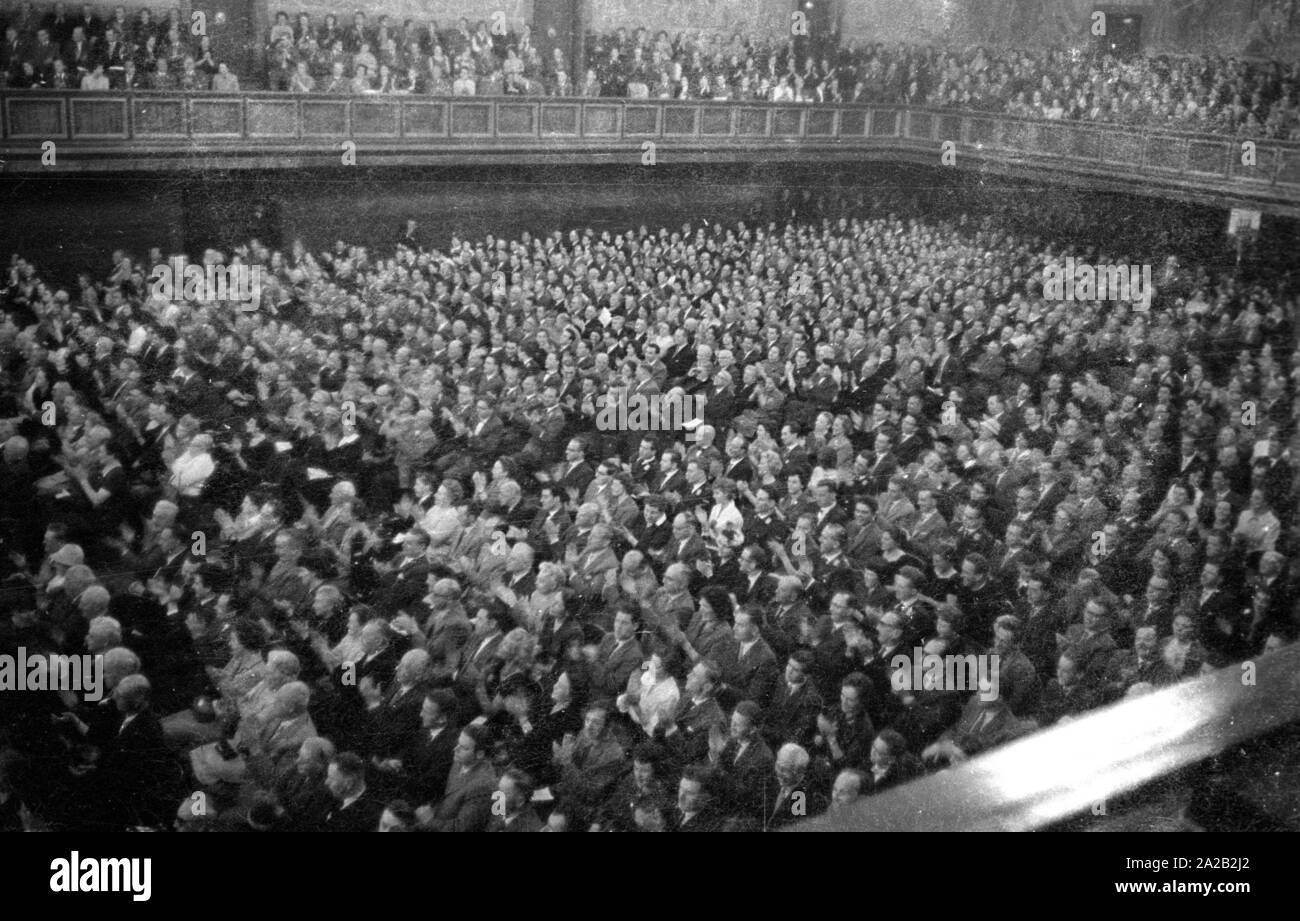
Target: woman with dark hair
{"x": 245, "y": 667}
{"x": 563, "y": 717}
{"x": 892, "y": 557}
{"x": 943, "y": 577}
{"x": 652, "y": 693}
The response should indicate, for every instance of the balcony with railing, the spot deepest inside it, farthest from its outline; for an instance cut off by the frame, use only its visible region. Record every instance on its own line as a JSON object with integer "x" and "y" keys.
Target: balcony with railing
{"x": 147, "y": 131}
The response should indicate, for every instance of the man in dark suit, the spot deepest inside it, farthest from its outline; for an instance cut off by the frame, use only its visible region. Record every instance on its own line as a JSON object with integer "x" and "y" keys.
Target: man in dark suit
{"x": 89, "y": 23}
{"x": 1051, "y": 490}
{"x": 58, "y": 23}
{"x": 1272, "y": 605}
{"x": 720, "y": 401}
{"x": 764, "y": 522}
{"x": 756, "y": 585}
{"x": 404, "y": 581}
{"x": 983, "y": 724}
{"x": 422, "y": 770}
{"x": 736, "y": 466}
{"x": 396, "y": 717}
{"x": 1223, "y": 623}
{"x": 680, "y": 357}
{"x": 698, "y": 493}
{"x": 1156, "y": 611}
{"x": 138, "y": 775}
{"x": 373, "y": 671}
{"x": 12, "y": 52}
{"x": 467, "y": 804}
{"x": 943, "y": 373}
{"x": 513, "y": 797}
{"x": 669, "y": 478}
{"x": 76, "y": 53}
{"x": 618, "y": 655}
{"x": 552, "y": 522}
{"x": 698, "y": 712}
{"x": 884, "y": 463}
{"x": 652, "y": 532}
{"x": 797, "y": 794}
{"x": 575, "y": 474}
{"x": 792, "y": 716}
{"x": 491, "y": 624}
{"x": 1070, "y": 693}
{"x": 755, "y": 674}
{"x": 794, "y": 453}
{"x": 546, "y": 428}
{"x": 1142, "y": 664}
{"x": 911, "y": 443}
{"x": 113, "y": 54}
{"x": 744, "y": 761}
{"x": 357, "y": 809}
{"x": 686, "y": 545}
{"x": 645, "y": 465}
{"x": 828, "y": 510}
{"x": 477, "y": 444}
{"x": 697, "y": 796}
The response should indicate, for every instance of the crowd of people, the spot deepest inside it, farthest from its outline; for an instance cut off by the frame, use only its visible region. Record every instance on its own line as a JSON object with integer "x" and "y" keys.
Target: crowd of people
{"x": 378, "y": 55}
{"x": 63, "y": 50}
{"x": 365, "y": 557}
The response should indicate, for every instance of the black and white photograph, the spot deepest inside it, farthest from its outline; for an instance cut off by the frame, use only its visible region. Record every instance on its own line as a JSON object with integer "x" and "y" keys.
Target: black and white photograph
{"x": 594, "y": 416}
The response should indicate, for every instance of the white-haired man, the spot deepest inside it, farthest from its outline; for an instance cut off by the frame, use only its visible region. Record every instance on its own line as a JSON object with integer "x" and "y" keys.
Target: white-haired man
{"x": 795, "y": 797}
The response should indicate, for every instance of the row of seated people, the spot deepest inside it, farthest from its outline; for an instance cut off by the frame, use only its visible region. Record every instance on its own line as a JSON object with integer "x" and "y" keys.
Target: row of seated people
{"x": 1200, "y": 93}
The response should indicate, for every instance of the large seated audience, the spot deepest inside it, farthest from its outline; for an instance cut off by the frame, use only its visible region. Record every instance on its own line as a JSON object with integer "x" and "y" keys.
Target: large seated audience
{"x": 378, "y": 55}
{"x": 362, "y": 558}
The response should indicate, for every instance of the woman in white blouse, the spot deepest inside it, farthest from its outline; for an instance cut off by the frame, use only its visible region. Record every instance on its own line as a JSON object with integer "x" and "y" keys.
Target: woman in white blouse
{"x": 724, "y": 524}
{"x": 191, "y": 469}
{"x": 443, "y": 520}
{"x": 652, "y": 695}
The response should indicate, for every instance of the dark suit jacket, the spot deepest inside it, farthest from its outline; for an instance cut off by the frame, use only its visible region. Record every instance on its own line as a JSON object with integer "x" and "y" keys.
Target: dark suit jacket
{"x": 613, "y": 668}
{"x": 478, "y": 651}
{"x": 693, "y": 550}
{"x": 1046, "y": 505}
{"x": 792, "y": 715}
{"x": 404, "y": 586}
{"x": 738, "y": 470}
{"x": 1057, "y": 702}
{"x": 754, "y": 675}
{"x": 578, "y": 478}
{"x": 138, "y": 775}
{"x": 487, "y": 442}
{"x": 360, "y": 816}
{"x": 708, "y": 821}
{"x": 467, "y": 805}
{"x": 526, "y": 821}
{"x": 972, "y": 734}
{"x": 748, "y": 778}
{"x": 652, "y": 537}
{"x": 537, "y": 532}
{"x": 785, "y": 807}
{"x": 426, "y": 764}
{"x": 390, "y": 725}
{"x": 694, "y": 722}
{"x": 760, "y": 591}
{"x": 663, "y": 483}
